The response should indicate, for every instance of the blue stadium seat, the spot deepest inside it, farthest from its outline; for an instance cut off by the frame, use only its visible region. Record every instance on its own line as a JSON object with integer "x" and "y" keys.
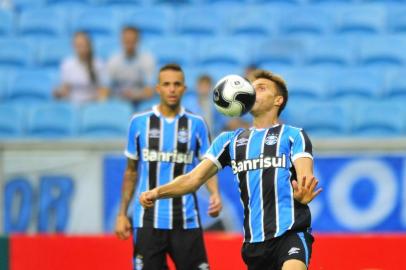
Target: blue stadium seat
{"x": 173, "y": 50}
{"x": 105, "y": 119}
{"x": 6, "y": 22}
{"x": 198, "y": 22}
{"x": 275, "y": 53}
{"x": 11, "y": 121}
{"x": 42, "y": 22}
{"x": 362, "y": 20}
{"x": 306, "y": 84}
{"x": 320, "y": 119}
{"x": 52, "y": 120}
{"x": 397, "y": 19}
{"x": 383, "y": 52}
{"x": 250, "y": 23}
{"x": 106, "y": 47}
{"x": 146, "y": 19}
{"x": 21, "y": 5}
{"x": 337, "y": 52}
{"x": 5, "y": 77}
{"x": 70, "y": 3}
{"x": 50, "y": 53}
{"x": 122, "y": 2}
{"x": 356, "y": 84}
{"x": 217, "y": 72}
{"x": 396, "y": 86}
{"x": 223, "y": 53}
{"x": 305, "y": 22}
{"x": 31, "y": 86}
{"x": 15, "y": 53}
{"x": 378, "y": 119}
{"x": 98, "y": 22}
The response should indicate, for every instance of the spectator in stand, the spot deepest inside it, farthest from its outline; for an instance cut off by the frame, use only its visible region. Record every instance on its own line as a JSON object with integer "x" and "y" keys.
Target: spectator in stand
{"x": 131, "y": 71}
{"x": 82, "y": 76}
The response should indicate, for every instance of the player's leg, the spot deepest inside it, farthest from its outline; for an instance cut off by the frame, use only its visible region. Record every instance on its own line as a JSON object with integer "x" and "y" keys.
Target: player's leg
{"x": 150, "y": 249}
{"x": 259, "y": 256}
{"x": 187, "y": 249}
{"x": 294, "y": 250}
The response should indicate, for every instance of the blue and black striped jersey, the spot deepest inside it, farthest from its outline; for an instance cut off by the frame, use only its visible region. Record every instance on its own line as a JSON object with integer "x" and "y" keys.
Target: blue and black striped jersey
{"x": 166, "y": 148}
{"x": 262, "y": 163}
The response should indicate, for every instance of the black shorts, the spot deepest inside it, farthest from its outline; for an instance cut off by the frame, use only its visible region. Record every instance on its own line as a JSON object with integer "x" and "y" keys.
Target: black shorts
{"x": 185, "y": 247}
{"x": 271, "y": 254}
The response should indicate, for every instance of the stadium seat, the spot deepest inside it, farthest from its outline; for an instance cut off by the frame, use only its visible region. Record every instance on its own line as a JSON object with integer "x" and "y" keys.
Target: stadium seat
{"x": 173, "y": 50}
{"x": 217, "y": 72}
{"x": 98, "y": 22}
{"x": 194, "y": 22}
{"x": 307, "y": 22}
{"x": 250, "y": 24}
{"x": 397, "y": 19}
{"x": 382, "y": 52}
{"x": 6, "y": 22}
{"x": 122, "y": 2}
{"x": 5, "y": 76}
{"x": 31, "y": 86}
{"x": 42, "y": 22}
{"x": 70, "y": 3}
{"x": 276, "y": 53}
{"x": 50, "y": 53}
{"x": 15, "y": 53}
{"x": 356, "y": 84}
{"x": 21, "y": 5}
{"x": 223, "y": 53}
{"x": 11, "y": 121}
{"x": 396, "y": 86}
{"x": 105, "y": 119}
{"x": 337, "y": 52}
{"x": 52, "y": 120}
{"x": 378, "y": 119}
{"x": 146, "y": 19}
{"x": 105, "y": 47}
{"x": 320, "y": 119}
{"x": 306, "y": 84}
{"x": 361, "y": 20}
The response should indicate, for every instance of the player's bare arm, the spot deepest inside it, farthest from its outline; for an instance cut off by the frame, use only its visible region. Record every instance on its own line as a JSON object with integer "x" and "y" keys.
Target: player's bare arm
{"x": 304, "y": 188}
{"x": 181, "y": 185}
{"x": 215, "y": 200}
{"x": 123, "y": 225}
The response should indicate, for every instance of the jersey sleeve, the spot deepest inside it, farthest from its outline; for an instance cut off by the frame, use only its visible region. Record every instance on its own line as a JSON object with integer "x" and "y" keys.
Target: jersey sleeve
{"x": 301, "y": 146}
{"x": 131, "y": 150}
{"x": 219, "y": 152}
{"x": 203, "y": 139}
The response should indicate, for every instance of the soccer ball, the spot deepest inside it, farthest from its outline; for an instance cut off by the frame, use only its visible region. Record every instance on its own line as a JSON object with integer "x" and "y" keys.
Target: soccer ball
{"x": 233, "y": 95}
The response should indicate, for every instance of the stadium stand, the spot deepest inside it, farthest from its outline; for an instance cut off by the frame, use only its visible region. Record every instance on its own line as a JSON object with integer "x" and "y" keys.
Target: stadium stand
{"x": 108, "y": 119}
{"x": 343, "y": 51}
{"x": 11, "y": 121}
{"x": 52, "y": 120}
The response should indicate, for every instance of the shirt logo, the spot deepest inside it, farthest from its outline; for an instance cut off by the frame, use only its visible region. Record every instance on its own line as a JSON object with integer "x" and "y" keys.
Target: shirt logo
{"x": 293, "y": 250}
{"x": 183, "y": 136}
{"x": 241, "y": 142}
{"x": 154, "y": 133}
{"x": 271, "y": 139}
{"x": 172, "y": 157}
{"x": 263, "y": 162}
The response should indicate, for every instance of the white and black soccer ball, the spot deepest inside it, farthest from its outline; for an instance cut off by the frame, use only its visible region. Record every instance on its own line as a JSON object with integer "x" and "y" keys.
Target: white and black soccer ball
{"x": 233, "y": 95}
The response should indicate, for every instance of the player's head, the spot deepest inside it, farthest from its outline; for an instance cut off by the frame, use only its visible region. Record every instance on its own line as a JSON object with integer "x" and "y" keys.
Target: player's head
{"x": 271, "y": 92}
{"x": 171, "y": 84}
{"x": 129, "y": 38}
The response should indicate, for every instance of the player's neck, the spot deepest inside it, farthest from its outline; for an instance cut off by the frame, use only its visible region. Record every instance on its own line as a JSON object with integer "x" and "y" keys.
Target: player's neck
{"x": 169, "y": 111}
{"x": 266, "y": 120}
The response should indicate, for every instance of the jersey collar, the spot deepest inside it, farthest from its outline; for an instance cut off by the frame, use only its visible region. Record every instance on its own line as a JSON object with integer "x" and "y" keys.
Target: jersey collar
{"x": 158, "y": 113}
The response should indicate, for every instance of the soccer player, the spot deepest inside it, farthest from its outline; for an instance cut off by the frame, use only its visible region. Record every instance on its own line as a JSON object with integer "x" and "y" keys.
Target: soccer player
{"x": 164, "y": 143}
{"x": 266, "y": 160}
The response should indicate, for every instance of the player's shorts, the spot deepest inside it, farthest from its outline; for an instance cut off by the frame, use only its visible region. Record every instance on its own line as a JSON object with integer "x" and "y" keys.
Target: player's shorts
{"x": 271, "y": 254}
{"x": 185, "y": 247}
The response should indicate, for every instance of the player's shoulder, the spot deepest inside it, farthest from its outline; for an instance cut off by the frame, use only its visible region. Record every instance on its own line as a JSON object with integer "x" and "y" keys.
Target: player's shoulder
{"x": 195, "y": 117}
{"x": 141, "y": 115}
{"x": 229, "y": 135}
{"x": 292, "y": 129}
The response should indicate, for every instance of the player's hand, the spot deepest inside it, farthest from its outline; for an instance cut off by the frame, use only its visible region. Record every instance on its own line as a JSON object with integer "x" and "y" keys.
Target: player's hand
{"x": 148, "y": 198}
{"x": 123, "y": 227}
{"x": 215, "y": 205}
{"x": 305, "y": 191}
